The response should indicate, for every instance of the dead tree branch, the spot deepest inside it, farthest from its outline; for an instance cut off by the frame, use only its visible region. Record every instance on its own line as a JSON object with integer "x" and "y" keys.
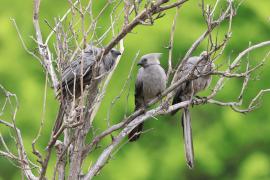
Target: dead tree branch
{"x": 70, "y": 45}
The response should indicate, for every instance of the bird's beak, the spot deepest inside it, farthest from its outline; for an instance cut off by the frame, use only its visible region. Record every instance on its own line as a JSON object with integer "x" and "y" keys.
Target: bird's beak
{"x": 118, "y": 53}
{"x": 139, "y": 63}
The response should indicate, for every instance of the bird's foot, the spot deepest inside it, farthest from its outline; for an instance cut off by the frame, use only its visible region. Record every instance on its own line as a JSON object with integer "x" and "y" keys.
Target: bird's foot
{"x": 199, "y": 100}
{"x": 165, "y": 105}
{"x": 144, "y": 110}
{"x": 159, "y": 96}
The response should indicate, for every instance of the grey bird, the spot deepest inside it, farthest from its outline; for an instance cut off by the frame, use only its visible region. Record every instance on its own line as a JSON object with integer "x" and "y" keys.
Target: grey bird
{"x": 150, "y": 82}
{"x": 70, "y": 84}
{"x": 189, "y": 89}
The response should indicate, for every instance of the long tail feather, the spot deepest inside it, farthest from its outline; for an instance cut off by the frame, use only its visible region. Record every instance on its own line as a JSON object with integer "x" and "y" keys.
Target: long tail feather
{"x": 187, "y": 132}
{"x": 60, "y": 117}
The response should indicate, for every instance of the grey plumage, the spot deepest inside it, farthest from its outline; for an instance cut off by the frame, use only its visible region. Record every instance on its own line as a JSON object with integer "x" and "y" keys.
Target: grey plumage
{"x": 70, "y": 84}
{"x": 187, "y": 90}
{"x": 72, "y": 74}
{"x": 150, "y": 82}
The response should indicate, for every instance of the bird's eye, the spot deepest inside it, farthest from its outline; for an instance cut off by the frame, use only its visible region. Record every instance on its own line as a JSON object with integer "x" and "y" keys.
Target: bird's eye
{"x": 144, "y": 60}
{"x": 89, "y": 51}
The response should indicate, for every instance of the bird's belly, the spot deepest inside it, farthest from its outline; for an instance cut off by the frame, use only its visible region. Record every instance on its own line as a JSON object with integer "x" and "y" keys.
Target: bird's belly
{"x": 150, "y": 93}
{"x": 201, "y": 84}
{"x": 152, "y": 88}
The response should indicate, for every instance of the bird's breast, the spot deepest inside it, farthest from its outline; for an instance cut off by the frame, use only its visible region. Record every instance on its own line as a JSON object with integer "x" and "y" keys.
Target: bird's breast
{"x": 154, "y": 82}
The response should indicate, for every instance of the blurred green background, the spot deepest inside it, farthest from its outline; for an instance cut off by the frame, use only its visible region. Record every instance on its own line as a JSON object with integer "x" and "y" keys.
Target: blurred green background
{"x": 228, "y": 145}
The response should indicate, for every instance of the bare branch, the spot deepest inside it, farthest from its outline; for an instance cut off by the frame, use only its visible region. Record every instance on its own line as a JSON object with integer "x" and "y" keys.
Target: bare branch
{"x": 43, "y": 48}
{"x": 105, "y": 155}
{"x": 24, "y": 162}
{"x": 170, "y": 70}
{"x": 227, "y": 13}
{"x": 35, "y": 151}
{"x": 233, "y": 65}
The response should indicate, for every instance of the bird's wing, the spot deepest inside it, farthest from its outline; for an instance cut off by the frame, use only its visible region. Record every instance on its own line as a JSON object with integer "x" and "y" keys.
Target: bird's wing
{"x": 74, "y": 69}
{"x": 184, "y": 90}
{"x": 69, "y": 71}
{"x": 139, "y": 100}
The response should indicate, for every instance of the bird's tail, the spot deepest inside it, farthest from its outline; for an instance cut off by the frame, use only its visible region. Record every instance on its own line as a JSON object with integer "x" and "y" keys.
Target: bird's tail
{"x": 135, "y": 133}
{"x": 187, "y": 133}
{"x": 60, "y": 117}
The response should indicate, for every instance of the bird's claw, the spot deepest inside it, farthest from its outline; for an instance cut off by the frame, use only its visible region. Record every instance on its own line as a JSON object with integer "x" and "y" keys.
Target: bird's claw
{"x": 204, "y": 100}
{"x": 193, "y": 102}
{"x": 165, "y": 105}
{"x": 144, "y": 109}
{"x": 198, "y": 100}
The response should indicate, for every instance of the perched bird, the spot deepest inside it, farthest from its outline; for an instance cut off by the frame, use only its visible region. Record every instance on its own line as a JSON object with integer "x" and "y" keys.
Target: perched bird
{"x": 71, "y": 75}
{"x": 187, "y": 90}
{"x": 70, "y": 84}
{"x": 150, "y": 82}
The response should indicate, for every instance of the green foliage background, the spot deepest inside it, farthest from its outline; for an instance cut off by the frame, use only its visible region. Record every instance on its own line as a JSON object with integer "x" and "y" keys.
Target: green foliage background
{"x": 228, "y": 145}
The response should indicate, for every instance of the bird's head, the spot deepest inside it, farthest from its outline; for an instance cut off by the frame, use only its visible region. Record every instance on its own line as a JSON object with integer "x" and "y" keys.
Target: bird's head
{"x": 115, "y": 53}
{"x": 110, "y": 58}
{"x": 149, "y": 59}
{"x": 92, "y": 50}
{"x": 205, "y": 55}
